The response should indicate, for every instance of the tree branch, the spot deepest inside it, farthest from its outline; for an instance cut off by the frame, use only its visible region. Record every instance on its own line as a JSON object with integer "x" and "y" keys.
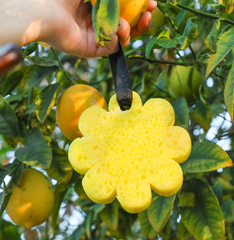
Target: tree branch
{"x": 200, "y": 13}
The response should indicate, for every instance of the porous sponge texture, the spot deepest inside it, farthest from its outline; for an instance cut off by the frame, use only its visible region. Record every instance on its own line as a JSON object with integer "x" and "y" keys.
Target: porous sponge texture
{"x": 128, "y": 153}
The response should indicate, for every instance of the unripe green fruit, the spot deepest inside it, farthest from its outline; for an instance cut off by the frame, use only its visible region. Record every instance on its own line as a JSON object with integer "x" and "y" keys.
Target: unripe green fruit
{"x": 184, "y": 81}
{"x": 158, "y": 20}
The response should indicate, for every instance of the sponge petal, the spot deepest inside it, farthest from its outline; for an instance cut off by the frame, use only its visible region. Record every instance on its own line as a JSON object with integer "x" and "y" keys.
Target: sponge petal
{"x": 134, "y": 196}
{"x": 167, "y": 177}
{"x": 160, "y": 111}
{"x": 82, "y": 154}
{"x": 178, "y": 143}
{"x": 88, "y": 120}
{"x": 136, "y": 103}
{"x": 98, "y": 185}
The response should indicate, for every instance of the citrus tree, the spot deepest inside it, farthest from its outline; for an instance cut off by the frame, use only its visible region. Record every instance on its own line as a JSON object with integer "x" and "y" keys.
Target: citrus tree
{"x": 186, "y": 58}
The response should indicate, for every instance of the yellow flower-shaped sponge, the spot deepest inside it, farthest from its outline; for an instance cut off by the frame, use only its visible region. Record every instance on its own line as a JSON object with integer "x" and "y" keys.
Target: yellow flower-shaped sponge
{"x": 128, "y": 153}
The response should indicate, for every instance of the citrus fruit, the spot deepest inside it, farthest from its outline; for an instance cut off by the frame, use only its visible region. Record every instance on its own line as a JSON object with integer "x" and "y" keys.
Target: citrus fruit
{"x": 31, "y": 203}
{"x": 71, "y": 105}
{"x": 158, "y": 20}
{"x": 184, "y": 81}
{"x": 131, "y": 10}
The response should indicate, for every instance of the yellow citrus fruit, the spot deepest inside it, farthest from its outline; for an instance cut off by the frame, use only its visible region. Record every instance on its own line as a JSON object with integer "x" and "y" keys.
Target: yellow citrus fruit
{"x": 131, "y": 10}
{"x": 184, "y": 81}
{"x": 31, "y": 203}
{"x": 158, "y": 20}
{"x": 72, "y": 104}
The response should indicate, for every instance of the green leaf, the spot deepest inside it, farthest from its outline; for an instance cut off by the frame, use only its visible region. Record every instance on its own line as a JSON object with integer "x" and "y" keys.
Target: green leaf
{"x": 88, "y": 223}
{"x": 133, "y": 50}
{"x": 149, "y": 46}
{"x": 31, "y": 47}
{"x": 181, "y": 112}
{"x": 183, "y": 233}
{"x": 205, "y": 2}
{"x": 60, "y": 192}
{"x": 110, "y": 215}
{"x": 146, "y": 227}
{"x": 7, "y": 190}
{"x": 13, "y": 80}
{"x": 218, "y": 190}
{"x": 9, "y": 231}
{"x": 200, "y": 211}
{"x": 206, "y": 157}
{"x": 189, "y": 34}
{"x": 228, "y": 210}
{"x": 159, "y": 211}
{"x": 179, "y": 18}
{"x": 174, "y": 216}
{"x": 36, "y": 151}
{"x": 8, "y": 120}
{"x": 212, "y": 38}
{"x": 96, "y": 27}
{"x": 97, "y": 209}
{"x": 203, "y": 114}
{"x": 35, "y": 74}
{"x": 80, "y": 190}
{"x": 229, "y": 5}
{"x": 3, "y": 174}
{"x": 43, "y": 61}
{"x": 60, "y": 168}
{"x": 18, "y": 172}
{"x": 45, "y": 101}
{"x": 224, "y": 46}
{"x": 229, "y": 92}
{"x": 77, "y": 233}
{"x": 108, "y": 16}
{"x": 218, "y": 8}
{"x": 169, "y": 43}
{"x": 105, "y": 17}
{"x": 165, "y": 34}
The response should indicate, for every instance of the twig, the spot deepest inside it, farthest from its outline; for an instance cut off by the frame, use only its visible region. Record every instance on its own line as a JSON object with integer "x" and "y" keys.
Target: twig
{"x": 160, "y": 61}
{"x": 61, "y": 66}
{"x": 197, "y": 12}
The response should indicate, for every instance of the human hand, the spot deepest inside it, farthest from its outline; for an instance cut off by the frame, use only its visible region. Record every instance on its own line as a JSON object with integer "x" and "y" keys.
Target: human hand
{"x": 70, "y": 29}
{"x": 64, "y": 24}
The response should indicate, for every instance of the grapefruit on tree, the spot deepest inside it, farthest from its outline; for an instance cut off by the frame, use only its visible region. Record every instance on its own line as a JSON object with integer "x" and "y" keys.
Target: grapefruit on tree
{"x": 32, "y": 201}
{"x": 72, "y": 104}
{"x": 131, "y": 10}
{"x": 184, "y": 81}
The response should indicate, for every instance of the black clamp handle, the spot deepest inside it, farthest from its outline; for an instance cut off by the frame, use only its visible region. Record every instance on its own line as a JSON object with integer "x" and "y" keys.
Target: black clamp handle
{"x": 121, "y": 77}
{"x": 122, "y": 80}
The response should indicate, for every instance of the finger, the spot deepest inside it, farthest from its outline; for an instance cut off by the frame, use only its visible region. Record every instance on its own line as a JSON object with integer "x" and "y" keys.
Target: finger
{"x": 124, "y": 32}
{"x": 152, "y": 5}
{"x": 142, "y": 26}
